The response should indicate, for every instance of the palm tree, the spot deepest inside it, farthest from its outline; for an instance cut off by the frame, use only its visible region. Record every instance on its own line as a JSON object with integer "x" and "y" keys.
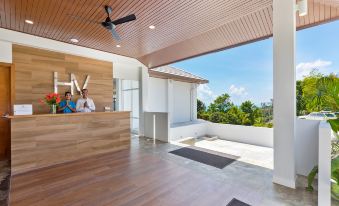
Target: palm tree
{"x": 321, "y": 92}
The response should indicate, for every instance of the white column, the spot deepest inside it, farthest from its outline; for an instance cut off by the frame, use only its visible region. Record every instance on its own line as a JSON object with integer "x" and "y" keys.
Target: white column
{"x": 324, "y": 167}
{"x": 118, "y": 101}
{"x": 143, "y": 95}
{"x": 284, "y": 89}
{"x": 194, "y": 112}
{"x": 170, "y": 100}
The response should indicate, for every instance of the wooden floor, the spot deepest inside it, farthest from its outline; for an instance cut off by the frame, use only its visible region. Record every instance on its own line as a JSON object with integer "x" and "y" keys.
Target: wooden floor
{"x": 121, "y": 178}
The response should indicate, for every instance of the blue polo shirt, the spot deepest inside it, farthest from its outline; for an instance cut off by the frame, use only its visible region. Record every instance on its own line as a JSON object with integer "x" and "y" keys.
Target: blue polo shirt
{"x": 64, "y": 103}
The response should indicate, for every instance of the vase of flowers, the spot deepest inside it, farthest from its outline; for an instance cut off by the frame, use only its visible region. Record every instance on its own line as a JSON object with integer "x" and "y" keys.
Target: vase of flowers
{"x": 52, "y": 100}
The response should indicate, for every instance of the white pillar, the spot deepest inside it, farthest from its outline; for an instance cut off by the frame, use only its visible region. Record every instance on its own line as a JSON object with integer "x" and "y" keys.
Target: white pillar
{"x": 284, "y": 92}
{"x": 324, "y": 166}
{"x": 170, "y": 100}
{"x": 118, "y": 96}
{"x": 194, "y": 112}
{"x": 143, "y": 95}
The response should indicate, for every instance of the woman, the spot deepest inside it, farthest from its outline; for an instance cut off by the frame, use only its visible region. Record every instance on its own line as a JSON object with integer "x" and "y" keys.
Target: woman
{"x": 67, "y": 106}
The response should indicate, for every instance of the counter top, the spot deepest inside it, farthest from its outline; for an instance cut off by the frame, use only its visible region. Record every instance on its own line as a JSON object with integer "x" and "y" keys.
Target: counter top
{"x": 65, "y": 114}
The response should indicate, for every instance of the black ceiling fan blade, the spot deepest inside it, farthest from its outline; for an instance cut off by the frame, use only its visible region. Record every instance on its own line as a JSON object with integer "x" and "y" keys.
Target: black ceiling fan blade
{"x": 115, "y": 34}
{"x": 125, "y": 19}
{"x": 108, "y": 10}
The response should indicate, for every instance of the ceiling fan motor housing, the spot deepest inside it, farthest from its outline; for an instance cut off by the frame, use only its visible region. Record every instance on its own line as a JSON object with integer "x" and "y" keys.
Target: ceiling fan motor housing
{"x": 108, "y": 24}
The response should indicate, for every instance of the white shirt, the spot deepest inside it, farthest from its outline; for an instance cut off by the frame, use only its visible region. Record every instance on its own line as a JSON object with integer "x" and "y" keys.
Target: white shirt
{"x": 81, "y": 102}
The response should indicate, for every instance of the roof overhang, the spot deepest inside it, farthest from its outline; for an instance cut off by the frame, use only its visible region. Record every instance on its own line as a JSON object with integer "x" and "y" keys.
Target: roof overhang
{"x": 168, "y": 72}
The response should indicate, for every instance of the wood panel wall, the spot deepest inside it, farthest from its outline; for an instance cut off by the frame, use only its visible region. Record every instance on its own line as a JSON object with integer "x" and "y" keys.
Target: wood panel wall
{"x": 44, "y": 140}
{"x": 34, "y": 76}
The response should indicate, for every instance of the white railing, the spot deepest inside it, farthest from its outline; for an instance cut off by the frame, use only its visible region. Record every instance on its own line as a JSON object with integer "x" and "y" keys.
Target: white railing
{"x": 306, "y": 141}
{"x": 260, "y": 136}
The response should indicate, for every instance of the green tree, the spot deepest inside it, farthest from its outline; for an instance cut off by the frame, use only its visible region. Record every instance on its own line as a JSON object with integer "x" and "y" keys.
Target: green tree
{"x": 201, "y": 110}
{"x": 251, "y": 112}
{"x": 201, "y": 106}
{"x": 330, "y": 84}
{"x": 221, "y": 104}
{"x": 320, "y": 92}
{"x": 234, "y": 116}
{"x": 267, "y": 111}
{"x": 311, "y": 95}
{"x": 217, "y": 117}
{"x": 301, "y": 107}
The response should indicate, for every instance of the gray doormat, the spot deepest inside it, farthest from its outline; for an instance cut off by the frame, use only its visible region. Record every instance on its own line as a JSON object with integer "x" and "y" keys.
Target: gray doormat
{"x": 236, "y": 202}
{"x": 203, "y": 157}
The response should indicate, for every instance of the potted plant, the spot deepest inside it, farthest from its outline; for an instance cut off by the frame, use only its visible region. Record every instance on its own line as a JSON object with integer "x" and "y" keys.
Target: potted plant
{"x": 52, "y": 100}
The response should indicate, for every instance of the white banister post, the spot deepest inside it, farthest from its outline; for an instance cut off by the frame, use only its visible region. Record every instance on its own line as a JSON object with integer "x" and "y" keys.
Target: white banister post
{"x": 194, "y": 94}
{"x": 143, "y": 98}
{"x": 284, "y": 92}
{"x": 170, "y": 106}
{"x": 324, "y": 164}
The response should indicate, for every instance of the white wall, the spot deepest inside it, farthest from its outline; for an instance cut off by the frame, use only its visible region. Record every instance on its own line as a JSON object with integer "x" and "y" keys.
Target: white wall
{"x": 5, "y": 52}
{"x": 306, "y": 145}
{"x": 157, "y": 95}
{"x": 194, "y": 130}
{"x": 156, "y": 125}
{"x": 260, "y": 136}
{"x": 182, "y": 102}
{"x": 126, "y": 71}
{"x": 174, "y": 97}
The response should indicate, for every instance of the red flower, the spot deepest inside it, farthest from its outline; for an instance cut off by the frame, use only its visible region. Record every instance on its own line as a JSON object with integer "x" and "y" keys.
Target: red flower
{"x": 51, "y": 98}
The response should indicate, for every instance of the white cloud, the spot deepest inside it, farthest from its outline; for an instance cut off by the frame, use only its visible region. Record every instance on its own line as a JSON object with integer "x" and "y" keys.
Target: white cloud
{"x": 237, "y": 91}
{"x": 304, "y": 68}
{"x": 238, "y": 94}
{"x": 205, "y": 94}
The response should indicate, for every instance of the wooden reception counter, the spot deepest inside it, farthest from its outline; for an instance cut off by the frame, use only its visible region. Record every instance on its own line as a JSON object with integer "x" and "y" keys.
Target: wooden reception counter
{"x": 39, "y": 141}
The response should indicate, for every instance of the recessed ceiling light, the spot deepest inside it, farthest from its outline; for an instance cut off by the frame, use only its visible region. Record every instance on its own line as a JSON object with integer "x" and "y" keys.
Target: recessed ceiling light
{"x": 152, "y": 27}
{"x": 74, "y": 40}
{"x": 29, "y": 21}
{"x": 118, "y": 46}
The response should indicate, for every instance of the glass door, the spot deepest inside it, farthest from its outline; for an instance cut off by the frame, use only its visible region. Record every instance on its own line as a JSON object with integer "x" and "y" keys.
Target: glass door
{"x": 130, "y": 101}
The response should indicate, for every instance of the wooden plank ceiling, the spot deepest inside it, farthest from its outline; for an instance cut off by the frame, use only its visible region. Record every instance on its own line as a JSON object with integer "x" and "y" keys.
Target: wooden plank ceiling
{"x": 183, "y": 28}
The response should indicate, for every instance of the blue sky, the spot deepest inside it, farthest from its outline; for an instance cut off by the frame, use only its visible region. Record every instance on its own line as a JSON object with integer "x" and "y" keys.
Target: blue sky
{"x": 246, "y": 72}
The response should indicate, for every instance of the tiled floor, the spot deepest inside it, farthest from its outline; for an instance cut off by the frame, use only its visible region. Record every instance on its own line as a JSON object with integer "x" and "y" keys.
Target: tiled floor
{"x": 149, "y": 175}
{"x": 251, "y": 183}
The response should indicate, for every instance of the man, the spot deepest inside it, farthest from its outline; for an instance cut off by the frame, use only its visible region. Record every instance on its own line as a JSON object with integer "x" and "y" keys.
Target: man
{"x": 84, "y": 103}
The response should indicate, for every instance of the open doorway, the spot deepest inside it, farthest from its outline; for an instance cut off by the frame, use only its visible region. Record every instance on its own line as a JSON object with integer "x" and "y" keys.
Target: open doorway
{"x": 5, "y": 109}
{"x": 129, "y": 101}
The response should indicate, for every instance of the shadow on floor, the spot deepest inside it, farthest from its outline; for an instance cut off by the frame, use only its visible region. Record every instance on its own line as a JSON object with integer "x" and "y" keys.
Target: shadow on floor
{"x": 4, "y": 182}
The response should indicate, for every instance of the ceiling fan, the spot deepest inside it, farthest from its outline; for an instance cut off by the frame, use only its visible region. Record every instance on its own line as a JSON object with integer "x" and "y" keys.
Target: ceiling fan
{"x": 110, "y": 24}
